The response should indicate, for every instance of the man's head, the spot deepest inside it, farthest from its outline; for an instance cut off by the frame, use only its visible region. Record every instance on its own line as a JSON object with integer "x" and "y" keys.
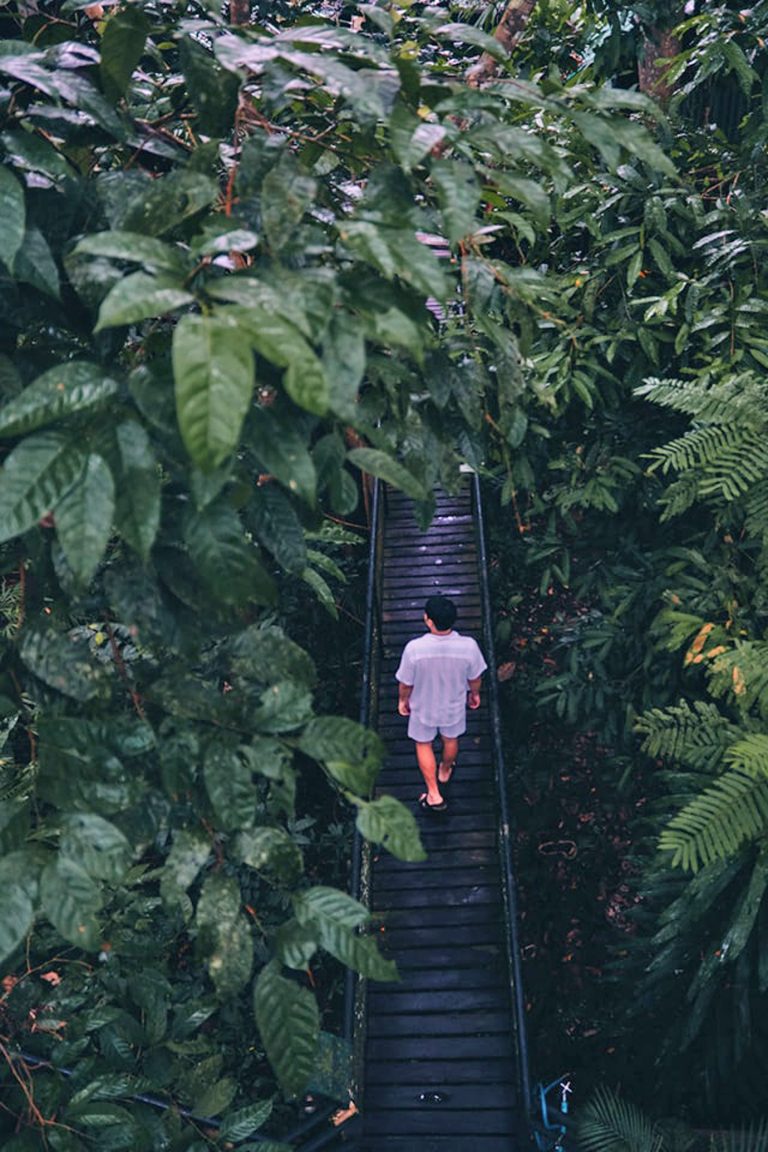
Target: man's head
{"x": 441, "y": 611}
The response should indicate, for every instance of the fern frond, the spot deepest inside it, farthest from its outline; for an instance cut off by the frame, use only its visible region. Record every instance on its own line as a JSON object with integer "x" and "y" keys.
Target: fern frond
{"x": 680, "y": 495}
{"x": 713, "y": 447}
{"x": 695, "y": 735}
{"x": 750, "y": 754}
{"x": 610, "y": 1124}
{"x": 724, "y": 402}
{"x": 737, "y": 469}
{"x": 757, "y": 510}
{"x": 716, "y": 823}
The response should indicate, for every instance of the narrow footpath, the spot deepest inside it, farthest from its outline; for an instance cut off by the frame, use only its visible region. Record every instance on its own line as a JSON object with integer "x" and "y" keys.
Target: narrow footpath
{"x": 440, "y": 1071}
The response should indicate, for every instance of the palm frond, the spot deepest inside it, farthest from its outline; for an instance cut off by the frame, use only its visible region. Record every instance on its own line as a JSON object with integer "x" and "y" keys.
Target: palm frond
{"x": 751, "y": 1139}
{"x": 610, "y": 1124}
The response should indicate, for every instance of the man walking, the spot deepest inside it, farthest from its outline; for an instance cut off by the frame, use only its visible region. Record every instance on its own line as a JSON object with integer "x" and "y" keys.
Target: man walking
{"x": 439, "y": 674}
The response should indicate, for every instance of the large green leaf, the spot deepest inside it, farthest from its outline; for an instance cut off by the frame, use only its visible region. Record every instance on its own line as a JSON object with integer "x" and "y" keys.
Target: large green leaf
{"x": 137, "y": 512}
{"x": 265, "y": 654}
{"x": 133, "y": 247}
{"x": 224, "y": 934}
{"x": 35, "y": 477}
{"x": 284, "y": 707}
{"x": 70, "y": 899}
{"x": 161, "y": 204}
{"x": 344, "y": 361}
{"x": 140, "y": 296}
{"x": 229, "y": 786}
{"x": 287, "y": 193}
{"x": 352, "y": 754}
{"x": 17, "y": 896}
{"x": 458, "y": 194}
{"x": 360, "y": 953}
{"x": 35, "y": 264}
{"x": 241, "y": 1124}
{"x": 283, "y": 452}
{"x": 278, "y": 528}
{"x": 335, "y": 916}
{"x": 378, "y": 463}
{"x": 96, "y": 845}
{"x": 122, "y": 46}
{"x": 190, "y": 850}
{"x": 388, "y": 822}
{"x": 330, "y": 905}
{"x": 64, "y": 662}
{"x": 74, "y": 387}
{"x": 289, "y": 1022}
{"x": 84, "y": 517}
{"x": 272, "y": 850}
{"x": 225, "y": 559}
{"x": 213, "y": 371}
{"x": 212, "y": 90}
{"x": 13, "y": 214}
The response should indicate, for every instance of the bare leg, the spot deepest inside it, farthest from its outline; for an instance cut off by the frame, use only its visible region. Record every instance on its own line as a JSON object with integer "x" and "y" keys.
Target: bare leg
{"x": 448, "y": 758}
{"x": 425, "y": 757}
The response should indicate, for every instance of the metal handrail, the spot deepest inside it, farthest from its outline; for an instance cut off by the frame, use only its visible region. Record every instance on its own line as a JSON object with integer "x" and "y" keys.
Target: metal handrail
{"x": 509, "y": 888}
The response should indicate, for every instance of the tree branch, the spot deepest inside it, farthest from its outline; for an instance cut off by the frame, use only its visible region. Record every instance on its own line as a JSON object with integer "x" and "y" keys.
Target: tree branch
{"x": 509, "y": 30}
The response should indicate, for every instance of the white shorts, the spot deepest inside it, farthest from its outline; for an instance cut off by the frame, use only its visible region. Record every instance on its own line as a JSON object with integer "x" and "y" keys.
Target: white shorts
{"x": 425, "y": 733}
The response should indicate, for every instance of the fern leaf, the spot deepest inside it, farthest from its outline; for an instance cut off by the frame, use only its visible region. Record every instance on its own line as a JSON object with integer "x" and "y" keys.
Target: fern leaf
{"x": 705, "y": 447}
{"x": 718, "y": 821}
{"x": 757, "y": 510}
{"x": 750, "y": 754}
{"x": 695, "y": 735}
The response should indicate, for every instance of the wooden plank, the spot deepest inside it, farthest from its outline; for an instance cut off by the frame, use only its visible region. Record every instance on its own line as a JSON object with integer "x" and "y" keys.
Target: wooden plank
{"x": 466, "y": 956}
{"x": 408, "y": 939}
{"x": 426, "y": 1097}
{"x": 441, "y": 1071}
{"x": 399, "y": 1000}
{"x": 435, "y": 1143}
{"x": 492, "y": 975}
{"x": 490, "y": 1121}
{"x": 406, "y": 1048}
{"x": 435, "y": 1024}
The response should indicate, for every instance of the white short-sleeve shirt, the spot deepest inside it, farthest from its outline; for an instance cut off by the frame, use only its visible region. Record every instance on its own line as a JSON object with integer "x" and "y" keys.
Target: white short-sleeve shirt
{"x": 438, "y": 668}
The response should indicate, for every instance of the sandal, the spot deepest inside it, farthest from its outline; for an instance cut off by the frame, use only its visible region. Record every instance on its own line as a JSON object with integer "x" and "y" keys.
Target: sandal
{"x": 425, "y": 805}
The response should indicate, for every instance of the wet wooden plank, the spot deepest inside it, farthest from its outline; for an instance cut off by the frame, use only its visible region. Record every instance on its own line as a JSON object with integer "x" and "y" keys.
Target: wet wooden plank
{"x": 488, "y": 1121}
{"x": 406, "y": 1048}
{"x": 397, "y": 1001}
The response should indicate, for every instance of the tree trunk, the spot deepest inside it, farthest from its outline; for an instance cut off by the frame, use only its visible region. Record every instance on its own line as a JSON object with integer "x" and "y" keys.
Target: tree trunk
{"x": 658, "y": 47}
{"x": 508, "y": 32}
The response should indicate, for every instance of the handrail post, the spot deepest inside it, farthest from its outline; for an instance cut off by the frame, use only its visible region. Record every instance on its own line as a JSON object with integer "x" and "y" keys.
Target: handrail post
{"x": 505, "y": 846}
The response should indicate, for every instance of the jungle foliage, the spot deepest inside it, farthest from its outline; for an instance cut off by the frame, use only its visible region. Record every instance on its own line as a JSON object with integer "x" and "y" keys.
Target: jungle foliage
{"x": 639, "y": 494}
{"x": 217, "y": 313}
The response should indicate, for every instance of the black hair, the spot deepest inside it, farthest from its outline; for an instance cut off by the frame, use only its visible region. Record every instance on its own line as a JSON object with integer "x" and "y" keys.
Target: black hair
{"x": 441, "y": 611}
